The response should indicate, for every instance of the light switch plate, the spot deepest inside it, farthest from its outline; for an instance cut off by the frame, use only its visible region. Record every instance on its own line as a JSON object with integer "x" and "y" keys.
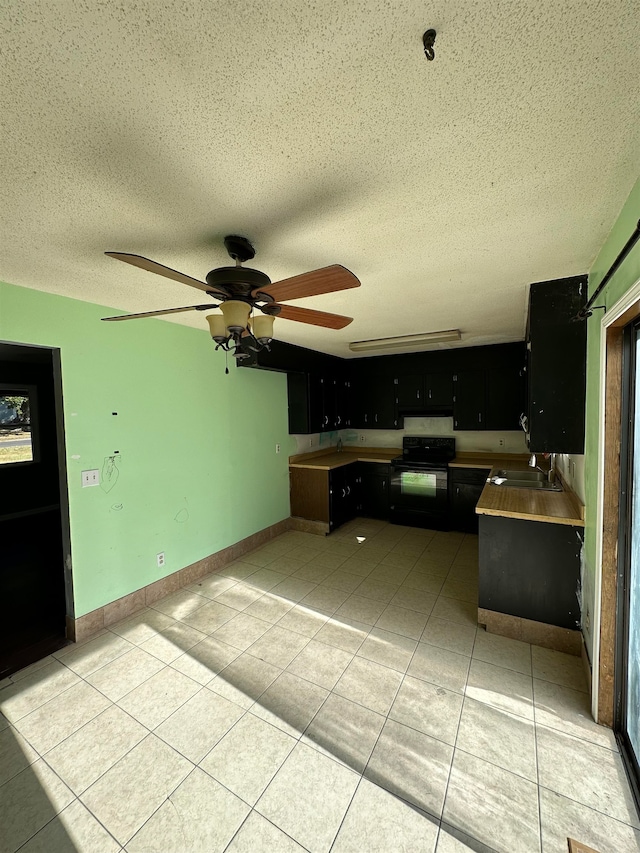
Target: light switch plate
{"x": 90, "y": 478}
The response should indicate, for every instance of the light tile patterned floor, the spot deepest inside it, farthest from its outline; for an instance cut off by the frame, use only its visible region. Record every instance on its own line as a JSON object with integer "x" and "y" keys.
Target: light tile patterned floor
{"x": 322, "y": 694}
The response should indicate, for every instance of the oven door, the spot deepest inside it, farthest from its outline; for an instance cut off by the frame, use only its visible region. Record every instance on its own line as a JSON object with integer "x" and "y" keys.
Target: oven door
{"x": 418, "y": 494}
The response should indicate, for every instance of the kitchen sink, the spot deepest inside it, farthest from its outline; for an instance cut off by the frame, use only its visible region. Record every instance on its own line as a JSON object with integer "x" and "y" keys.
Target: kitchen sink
{"x": 524, "y": 475}
{"x": 525, "y": 480}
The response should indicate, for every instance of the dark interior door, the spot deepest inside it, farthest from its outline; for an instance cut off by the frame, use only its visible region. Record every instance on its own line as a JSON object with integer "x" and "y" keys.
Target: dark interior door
{"x": 32, "y": 587}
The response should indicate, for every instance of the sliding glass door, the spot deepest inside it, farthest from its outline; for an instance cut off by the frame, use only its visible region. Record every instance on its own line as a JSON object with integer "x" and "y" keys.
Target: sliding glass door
{"x": 628, "y": 621}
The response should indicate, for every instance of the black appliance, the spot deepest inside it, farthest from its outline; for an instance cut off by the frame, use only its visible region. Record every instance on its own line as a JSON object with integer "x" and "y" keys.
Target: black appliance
{"x": 418, "y": 487}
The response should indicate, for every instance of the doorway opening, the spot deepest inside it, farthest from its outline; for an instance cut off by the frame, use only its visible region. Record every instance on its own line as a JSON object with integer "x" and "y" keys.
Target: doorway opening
{"x": 34, "y": 516}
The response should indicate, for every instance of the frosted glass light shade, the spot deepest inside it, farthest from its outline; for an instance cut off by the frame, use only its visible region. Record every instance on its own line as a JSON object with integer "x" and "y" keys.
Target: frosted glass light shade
{"x": 217, "y": 326}
{"x": 262, "y": 327}
{"x": 236, "y": 314}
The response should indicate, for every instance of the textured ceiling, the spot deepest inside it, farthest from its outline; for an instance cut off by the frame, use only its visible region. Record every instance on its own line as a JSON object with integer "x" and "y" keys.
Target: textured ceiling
{"x": 318, "y": 129}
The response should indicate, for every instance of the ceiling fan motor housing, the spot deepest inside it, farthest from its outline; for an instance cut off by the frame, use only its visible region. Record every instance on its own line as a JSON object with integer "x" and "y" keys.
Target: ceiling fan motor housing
{"x": 238, "y": 282}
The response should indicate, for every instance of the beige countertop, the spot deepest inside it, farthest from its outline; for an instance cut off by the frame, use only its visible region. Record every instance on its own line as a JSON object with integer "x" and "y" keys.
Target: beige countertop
{"x": 531, "y": 504}
{"x": 489, "y": 460}
{"x": 327, "y": 460}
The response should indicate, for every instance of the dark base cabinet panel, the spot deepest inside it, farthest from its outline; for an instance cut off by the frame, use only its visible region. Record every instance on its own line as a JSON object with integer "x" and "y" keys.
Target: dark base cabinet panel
{"x": 465, "y": 488}
{"x": 373, "y": 490}
{"x": 530, "y": 569}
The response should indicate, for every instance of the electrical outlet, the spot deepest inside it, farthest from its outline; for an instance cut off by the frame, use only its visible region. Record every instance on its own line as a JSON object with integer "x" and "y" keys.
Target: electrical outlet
{"x": 361, "y": 437}
{"x": 277, "y": 448}
{"x": 310, "y": 442}
{"x": 90, "y": 478}
{"x": 501, "y": 442}
{"x": 160, "y": 559}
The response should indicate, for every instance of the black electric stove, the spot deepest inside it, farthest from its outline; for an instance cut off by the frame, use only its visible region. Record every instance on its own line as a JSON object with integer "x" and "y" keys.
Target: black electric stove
{"x": 419, "y": 481}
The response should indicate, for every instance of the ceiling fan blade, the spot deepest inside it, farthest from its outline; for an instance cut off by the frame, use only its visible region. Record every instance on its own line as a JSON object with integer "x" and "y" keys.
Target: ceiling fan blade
{"x": 314, "y": 318}
{"x": 160, "y": 269}
{"x": 163, "y": 311}
{"x": 325, "y": 280}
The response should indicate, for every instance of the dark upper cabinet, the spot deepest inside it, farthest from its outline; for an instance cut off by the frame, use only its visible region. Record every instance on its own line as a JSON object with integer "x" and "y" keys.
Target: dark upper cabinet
{"x": 438, "y": 390}
{"x": 489, "y": 399}
{"x": 469, "y": 400}
{"x": 505, "y": 397}
{"x": 327, "y": 393}
{"x": 344, "y": 403}
{"x": 314, "y": 402}
{"x": 410, "y": 391}
{"x": 557, "y": 366}
{"x": 424, "y": 392}
{"x": 374, "y": 402}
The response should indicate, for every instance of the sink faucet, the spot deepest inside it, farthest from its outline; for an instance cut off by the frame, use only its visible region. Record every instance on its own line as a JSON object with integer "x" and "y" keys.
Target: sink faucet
{"x": 551, "y": 473}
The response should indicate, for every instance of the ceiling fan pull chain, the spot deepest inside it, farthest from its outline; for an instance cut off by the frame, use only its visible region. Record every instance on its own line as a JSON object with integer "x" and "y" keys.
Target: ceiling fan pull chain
{"x": 226, "y": 361}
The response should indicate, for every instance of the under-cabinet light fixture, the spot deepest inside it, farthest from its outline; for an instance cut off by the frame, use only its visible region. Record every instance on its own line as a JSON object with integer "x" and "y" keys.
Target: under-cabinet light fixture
{"x": 406, "y": 341}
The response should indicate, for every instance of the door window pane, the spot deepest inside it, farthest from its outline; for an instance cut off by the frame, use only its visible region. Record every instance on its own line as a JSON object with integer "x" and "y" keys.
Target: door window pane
{"x": 15, "y": 427}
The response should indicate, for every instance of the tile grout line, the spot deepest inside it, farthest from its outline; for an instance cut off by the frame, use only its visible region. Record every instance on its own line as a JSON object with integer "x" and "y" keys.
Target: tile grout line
{"x": 455, "y": 741}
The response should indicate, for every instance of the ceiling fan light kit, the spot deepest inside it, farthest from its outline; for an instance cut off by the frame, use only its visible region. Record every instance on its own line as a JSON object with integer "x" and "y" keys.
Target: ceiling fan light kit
{"x": 241, "y": 291}
{"x": 406, "y": 341}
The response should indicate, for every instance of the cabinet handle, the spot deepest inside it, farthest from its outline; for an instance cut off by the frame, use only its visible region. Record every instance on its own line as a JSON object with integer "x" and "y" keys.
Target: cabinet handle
{"x": 479, "y": 417}
{"x": 376, "y": 417}
{"x": 384, "y": 484}
{"x": 429, "y": 393}
{"x": 348, "y": 490}
{"x": 365, "y": 419}
{"x": 339, "y": 420}
{"x": 417, "y": 395}
{"x": 344, "y": 494}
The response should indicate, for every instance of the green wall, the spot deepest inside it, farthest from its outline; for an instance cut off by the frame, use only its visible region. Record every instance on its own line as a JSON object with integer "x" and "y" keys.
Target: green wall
{"x": 624, "y": 278}
{"x": 197, "y": 465}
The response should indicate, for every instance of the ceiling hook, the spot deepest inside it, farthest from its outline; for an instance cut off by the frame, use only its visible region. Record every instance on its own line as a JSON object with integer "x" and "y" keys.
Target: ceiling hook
{"x": 428, "y": 40}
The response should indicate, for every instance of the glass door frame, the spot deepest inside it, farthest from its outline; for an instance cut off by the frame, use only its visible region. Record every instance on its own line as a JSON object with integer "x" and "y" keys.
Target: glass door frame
{"x": 630, "y": 381}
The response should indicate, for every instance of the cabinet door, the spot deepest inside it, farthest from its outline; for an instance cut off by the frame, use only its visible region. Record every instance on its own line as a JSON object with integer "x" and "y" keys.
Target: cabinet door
{"x": 316, "y": 411}
{"x": 438, "y": 390}
{"x": 505, "y": 398}
{"x": 557, "y": 375}
{"x": 328, "y": 387}
{"x": 469, "y": 400}
{"x": 298, "y": 398}
{"x": 342, "y": 504}
{"x": 410, "y": 391}
{"x": 344, "y": 403}
{"x": 463, "y": 498}
{"x": 384, "y": 403}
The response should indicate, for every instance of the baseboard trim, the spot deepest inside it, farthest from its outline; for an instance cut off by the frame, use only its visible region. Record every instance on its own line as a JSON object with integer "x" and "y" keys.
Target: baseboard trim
{"x": 529, "y": 631}
{"x": 91, "y": 623}
{"x": 305, "y": 525}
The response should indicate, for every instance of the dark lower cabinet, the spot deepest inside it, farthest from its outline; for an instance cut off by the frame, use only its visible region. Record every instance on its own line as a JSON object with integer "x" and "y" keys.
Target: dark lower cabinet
{"x": 465, "y": 488}
{"x": 343, "y": 495}
{"x": 337, "y": 496}
{"x": 373, "y": 489}
{"x": 530, "y": 569}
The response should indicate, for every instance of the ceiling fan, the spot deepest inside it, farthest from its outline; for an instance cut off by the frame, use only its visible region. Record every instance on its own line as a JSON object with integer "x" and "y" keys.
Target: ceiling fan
{"x": 240, "y": 291}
